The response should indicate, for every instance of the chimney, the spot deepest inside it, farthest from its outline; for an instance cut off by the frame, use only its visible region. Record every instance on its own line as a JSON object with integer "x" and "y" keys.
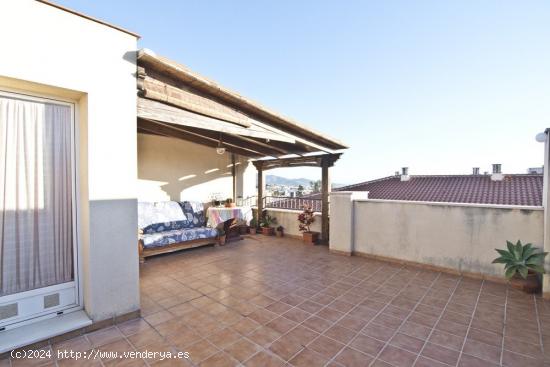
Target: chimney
{"x": 497, "y": 172}
{"x": 475, "y": 171}
{"x": 405, "y": 174}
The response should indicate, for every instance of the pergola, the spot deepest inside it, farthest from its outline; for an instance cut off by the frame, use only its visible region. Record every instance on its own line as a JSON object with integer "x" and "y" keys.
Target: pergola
{"x": 176, "y": 102}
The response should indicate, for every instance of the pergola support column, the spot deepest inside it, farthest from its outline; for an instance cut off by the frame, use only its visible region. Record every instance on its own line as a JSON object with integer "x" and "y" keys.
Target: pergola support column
{"x": 260, "y": 194}
{"x": 325, "y": 190}
{"x": 325, "y": 161}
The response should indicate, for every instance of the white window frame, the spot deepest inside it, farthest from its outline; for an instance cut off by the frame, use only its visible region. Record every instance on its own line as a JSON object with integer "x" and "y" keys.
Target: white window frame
{"x": 77, "y": 253}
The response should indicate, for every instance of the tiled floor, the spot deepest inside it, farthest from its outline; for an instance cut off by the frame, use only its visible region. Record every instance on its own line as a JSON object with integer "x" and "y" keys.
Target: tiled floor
{"x": 272, "y": 302}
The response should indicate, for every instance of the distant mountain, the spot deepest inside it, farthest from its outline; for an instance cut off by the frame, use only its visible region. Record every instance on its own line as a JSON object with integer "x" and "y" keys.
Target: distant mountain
{"x": 278, "y": 180}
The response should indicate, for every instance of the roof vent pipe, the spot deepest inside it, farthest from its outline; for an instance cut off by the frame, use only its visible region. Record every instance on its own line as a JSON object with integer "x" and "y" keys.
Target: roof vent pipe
{"x": 497, "y": 172}
{"x": 475, "y": 171}
{"x": 405, "y": 174}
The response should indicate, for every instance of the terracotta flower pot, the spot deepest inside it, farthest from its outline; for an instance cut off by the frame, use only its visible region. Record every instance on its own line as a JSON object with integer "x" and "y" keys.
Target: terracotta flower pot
{"x": 529, "y": 285}
{"x": 221, "y": 240}
{"x": 268, "y": 231}
{"x": 311, "y": 238}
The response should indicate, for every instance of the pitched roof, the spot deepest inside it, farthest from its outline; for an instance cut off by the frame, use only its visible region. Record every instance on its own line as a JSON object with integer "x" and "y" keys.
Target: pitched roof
{"x": 514, "y": 189}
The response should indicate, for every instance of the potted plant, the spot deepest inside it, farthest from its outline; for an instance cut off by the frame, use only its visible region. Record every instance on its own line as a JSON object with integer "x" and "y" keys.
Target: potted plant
{"x": 266, "y": 222}
{"x": 306, "y": 219}
{"x": 229, "y": 203}
{"x": 221, "y": 237}
{"x": 280, "y": 231}
{"x": 243, "y": 229}
{"x": 522, "y": 265}
{"x": 253, "y": 226}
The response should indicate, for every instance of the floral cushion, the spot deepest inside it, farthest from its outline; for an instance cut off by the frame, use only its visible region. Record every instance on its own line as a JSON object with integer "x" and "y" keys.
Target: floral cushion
{"x": 194, "y": 213}
{"x": 178, "y": 235}
{"x": 161, "y": 216}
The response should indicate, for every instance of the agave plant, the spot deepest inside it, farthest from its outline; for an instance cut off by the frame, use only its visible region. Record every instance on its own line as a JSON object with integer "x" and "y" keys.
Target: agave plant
{"x": 520, "y": 259}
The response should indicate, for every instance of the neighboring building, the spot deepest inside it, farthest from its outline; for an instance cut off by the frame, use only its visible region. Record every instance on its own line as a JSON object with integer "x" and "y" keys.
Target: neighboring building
{"x": 496, "y": 188}
{"x": 535, "y": 170}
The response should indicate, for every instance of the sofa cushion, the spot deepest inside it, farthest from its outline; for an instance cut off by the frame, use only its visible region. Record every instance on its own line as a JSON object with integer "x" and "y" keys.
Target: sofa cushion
{"x": 194, "y": 212}
{"x": 161, "y": 216}
{"x": 178, "y": 235}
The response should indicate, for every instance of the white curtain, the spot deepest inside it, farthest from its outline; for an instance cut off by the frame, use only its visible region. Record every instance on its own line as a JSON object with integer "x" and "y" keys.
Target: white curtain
{"x": 36, "y": 227}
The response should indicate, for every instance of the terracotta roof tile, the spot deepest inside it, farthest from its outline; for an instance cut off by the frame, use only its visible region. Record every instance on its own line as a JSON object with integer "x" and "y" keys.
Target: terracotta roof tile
{"x": 514, "y": 189}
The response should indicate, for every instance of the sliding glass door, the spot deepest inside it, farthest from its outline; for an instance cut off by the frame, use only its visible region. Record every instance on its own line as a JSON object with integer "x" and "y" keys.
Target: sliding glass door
{"x": 37, "y": 208}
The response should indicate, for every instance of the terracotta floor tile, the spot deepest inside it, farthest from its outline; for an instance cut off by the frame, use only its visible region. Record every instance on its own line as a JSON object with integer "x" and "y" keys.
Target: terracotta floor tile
{"x": 159, "y": 317}
{"x": 281, "y": 324}
{"x": 352, "y": 358}
{"x": 308, "y": 358}
{"x": 201, "y": 350}
{"x": 340, "y": 334}
{"x": 407, "y": 342}
{"x": 446, "y": 340}
{"x": 224, "y": 337}
{"x": 470, "y": 361}
{"x": 481, "y": 350}
{"x": 245, "y": 326}
{"x": 378, "y": 331}
{"x": 280, "y": 283}
{"x": 296, "y": 315}
{"x": 242, "y": 350}
{"x": 219, "y": 359}
{"x": 264, "y": 336}
{"x": 316, "y": 323}
{"x": 264, "y": 359}
{"x": 78, "y": 344}
{"x": 133, "y": 326}
{"x": 397, "y": 357}
{"x": 511, "y": 359}
{"x": 367, "y": 344}
{"x": 302, "y": 334}
{"x": 325, "y": 346}
{"x": 286, "y": 347}
{"x": 330, "y": 314}
{"x": 440, "y": 353}
{"x": 104, "y": 336}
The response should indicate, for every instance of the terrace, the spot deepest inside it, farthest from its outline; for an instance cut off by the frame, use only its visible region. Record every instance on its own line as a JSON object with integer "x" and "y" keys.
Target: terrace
{"x": 268, "y": 301}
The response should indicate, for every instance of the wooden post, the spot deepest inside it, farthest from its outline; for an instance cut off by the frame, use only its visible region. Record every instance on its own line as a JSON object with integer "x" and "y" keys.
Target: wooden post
{"x": 325, "y": 190}
{"x": 260, "y": 195}
{"x": 234, "y": 174}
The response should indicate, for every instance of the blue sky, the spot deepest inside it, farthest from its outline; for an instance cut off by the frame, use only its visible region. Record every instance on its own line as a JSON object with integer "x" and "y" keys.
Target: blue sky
{"x": 439, "y": 86}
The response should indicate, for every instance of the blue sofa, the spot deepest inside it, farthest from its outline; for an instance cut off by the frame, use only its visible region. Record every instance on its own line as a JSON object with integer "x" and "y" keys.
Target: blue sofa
{"x": 168, "y": 226}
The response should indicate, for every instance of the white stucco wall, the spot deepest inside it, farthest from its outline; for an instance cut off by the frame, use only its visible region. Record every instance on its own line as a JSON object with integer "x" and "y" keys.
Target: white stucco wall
{"x": 289, "y": 220}
{"x": 51, "y": 52}
{"x": 175, "y": 169}
{"x": 456, "y": 236}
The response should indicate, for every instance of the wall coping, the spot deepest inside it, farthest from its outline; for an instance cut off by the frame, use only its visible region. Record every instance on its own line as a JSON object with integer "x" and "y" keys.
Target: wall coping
{"x": 288, "y": 210}
{"x": 436, "y": 203}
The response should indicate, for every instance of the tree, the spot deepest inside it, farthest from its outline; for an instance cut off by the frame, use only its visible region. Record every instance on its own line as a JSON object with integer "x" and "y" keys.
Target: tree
{"x": 300, "y": 191}
{"x": 315, "y": 186}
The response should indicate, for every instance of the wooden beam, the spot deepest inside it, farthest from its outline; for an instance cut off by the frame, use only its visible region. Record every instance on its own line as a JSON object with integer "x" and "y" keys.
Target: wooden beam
{"x": 158, "y": 111}
{"x": 325, "y": 190}
{"x": 309, "y": 161}
{"x": 163, "y": 92}
{"x": 240, "y": 141}
{"x": 157, "y": 128}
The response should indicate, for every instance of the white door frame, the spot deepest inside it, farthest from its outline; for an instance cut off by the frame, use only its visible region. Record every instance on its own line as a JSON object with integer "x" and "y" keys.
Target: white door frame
{"x": 63, "y": 288}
